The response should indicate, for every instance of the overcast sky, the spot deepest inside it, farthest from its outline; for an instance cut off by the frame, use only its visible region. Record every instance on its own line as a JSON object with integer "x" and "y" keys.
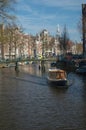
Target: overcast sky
{"x": 35, "y": 15}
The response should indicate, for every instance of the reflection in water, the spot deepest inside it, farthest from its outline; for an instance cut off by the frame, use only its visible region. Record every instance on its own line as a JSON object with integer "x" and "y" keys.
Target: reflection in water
{"x": 28, "y": 103}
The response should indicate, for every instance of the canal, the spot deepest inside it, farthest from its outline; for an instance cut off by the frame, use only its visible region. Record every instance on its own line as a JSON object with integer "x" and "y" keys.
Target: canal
{"x": 27, "y": 102}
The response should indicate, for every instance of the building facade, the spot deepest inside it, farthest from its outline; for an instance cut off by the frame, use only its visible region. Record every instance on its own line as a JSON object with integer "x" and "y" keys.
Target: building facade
{"x": 84, "y": 28}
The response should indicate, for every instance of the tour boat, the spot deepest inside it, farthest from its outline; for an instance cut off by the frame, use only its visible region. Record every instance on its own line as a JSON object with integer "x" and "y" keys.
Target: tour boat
{"x": 57, "y": 77}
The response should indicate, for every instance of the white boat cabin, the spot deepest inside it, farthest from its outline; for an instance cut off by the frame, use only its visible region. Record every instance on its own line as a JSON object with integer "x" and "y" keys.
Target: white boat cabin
{"x": 57, "y": 74}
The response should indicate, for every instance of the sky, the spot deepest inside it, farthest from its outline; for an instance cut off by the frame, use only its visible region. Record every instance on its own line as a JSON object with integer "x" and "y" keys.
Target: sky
{"x": 36, "y": 15}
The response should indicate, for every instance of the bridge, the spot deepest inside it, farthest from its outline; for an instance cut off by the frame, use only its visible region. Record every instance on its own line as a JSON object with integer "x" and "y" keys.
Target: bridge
{"x": 8, "y": 63}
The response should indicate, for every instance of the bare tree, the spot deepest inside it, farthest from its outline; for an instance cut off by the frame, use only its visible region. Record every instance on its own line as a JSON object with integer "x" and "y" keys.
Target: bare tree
{"x": 51, "y": 43}
{"x": 12, "y": 32}
{"x": 6, "y": 6}
{"x": 79, "y": 27}
{"x": 64, "y": 40}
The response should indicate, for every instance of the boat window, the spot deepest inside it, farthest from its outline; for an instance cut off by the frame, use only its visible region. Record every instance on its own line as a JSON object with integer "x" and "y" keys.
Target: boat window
{"x": 52, "y": 75}
{"x": 59, "y": 75}
{"x": 62, "y": 75}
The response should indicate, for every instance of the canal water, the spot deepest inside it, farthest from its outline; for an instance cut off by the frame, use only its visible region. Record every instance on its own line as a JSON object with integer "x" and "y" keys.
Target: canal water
{"x": 27, "y": 102}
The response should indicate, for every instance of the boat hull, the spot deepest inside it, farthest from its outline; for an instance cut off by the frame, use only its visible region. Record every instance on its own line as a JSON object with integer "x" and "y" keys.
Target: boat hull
{"x": 58, "y": 83}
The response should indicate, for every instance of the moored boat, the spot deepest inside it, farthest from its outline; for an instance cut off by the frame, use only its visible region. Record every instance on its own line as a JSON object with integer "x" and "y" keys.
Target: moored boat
{"x": 57, "y": 77}
{"x": 81, "y": 69}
